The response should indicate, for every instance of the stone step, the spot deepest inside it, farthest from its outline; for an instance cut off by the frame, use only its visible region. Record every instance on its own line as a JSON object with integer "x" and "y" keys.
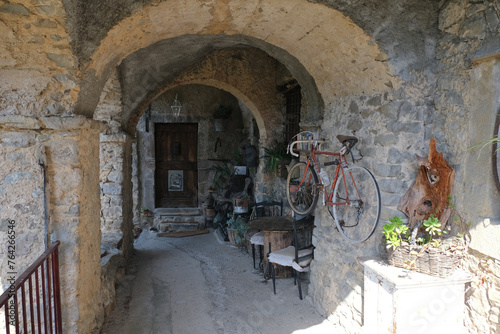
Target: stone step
{"x": 174, "y": 226}
{"x": 177, "y": 212}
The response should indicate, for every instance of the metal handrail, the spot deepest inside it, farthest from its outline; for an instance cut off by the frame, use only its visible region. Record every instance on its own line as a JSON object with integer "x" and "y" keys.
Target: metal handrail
{"x": 32, "y": 304}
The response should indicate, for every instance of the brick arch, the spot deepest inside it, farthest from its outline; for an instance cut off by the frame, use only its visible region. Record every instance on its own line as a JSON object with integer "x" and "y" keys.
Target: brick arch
{"x": 338, "y": 55}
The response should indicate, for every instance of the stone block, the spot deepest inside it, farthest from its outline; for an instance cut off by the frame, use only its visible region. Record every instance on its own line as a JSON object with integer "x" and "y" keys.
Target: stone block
{"x": 405, "y": 127}
{"x": 390, "y": 110}
{"x": 474, "y": 27}
{"x": 62, "y": 60}
{"x": 353, "y": 107}
{"x": 374, "y": 101}
{"x": 18, "y": 121}
{"x": 390, "y": 199}
{"x": 18, "y": 176}
{"x": 17, "y": 139}
{"x": 393, "y": 186}
{"x": 386, "y": 170}
{"x": 397, "y": 157}
{"x": 64, "y": 152}
{"x": 115, "y": 176}
{"x": 111, "y": 189}
{"x": 45, "y": 23}
{"x": 11, "y": 8}
{"x": 354, "y": 124}
{"x": 386, "y": 140}
{"x": 68, "y": 123}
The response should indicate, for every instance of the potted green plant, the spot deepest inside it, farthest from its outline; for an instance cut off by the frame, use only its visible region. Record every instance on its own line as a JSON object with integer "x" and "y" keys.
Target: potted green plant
{"x": 221, "y": 175}
{"x": 220, "y": 114}
{"x": 237, "y": 227}
{"x": 276, "y": 159}
{"x": 425, "y": 248}
{"x": 241, "y": 203}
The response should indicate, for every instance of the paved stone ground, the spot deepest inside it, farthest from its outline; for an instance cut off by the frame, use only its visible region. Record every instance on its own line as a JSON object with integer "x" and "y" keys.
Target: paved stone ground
{"x": 199, "y": 284}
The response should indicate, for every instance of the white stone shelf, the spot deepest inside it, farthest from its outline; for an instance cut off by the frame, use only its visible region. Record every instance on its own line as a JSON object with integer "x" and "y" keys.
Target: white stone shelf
{"x": 402, "y": 301}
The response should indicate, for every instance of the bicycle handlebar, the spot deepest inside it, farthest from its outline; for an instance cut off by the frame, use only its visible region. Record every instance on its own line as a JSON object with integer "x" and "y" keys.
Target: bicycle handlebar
{"x": 312, "y": 142}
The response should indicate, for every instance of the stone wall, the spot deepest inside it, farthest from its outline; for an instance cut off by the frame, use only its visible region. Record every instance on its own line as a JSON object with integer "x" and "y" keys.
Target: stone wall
{"x": 395, "y": 125}
{"x": 395, "y": 74}
{"x": 199, "y": 103}
{"x": 467, "y": 102}
{"x": 390, "y": 128}
{"x": 70, "y": 158}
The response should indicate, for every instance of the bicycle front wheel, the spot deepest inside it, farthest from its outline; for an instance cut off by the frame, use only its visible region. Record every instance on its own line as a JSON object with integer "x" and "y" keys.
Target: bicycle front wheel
{"x": 301, "y": 188}
{"x": 357, "y": 205}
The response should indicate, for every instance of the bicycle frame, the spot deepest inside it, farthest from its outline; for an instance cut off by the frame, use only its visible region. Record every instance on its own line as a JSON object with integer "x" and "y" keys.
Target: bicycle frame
{"x": 342, "y": 163}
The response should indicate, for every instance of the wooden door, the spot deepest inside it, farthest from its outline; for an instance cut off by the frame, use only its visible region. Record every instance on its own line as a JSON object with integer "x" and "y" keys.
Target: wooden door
{"x": 176, "y": 173}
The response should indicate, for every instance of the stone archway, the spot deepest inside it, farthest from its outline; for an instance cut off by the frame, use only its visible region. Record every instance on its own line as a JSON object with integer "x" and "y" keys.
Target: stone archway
{"x": 337, "y": 54}
{"x": 248, "y": 74}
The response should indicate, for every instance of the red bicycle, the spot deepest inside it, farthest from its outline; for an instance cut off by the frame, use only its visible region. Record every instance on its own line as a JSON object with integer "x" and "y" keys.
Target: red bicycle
{"x": 353, "y": 198}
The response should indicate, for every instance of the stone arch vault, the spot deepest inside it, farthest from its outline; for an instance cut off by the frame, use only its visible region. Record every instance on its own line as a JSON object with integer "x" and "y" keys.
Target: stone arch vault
{"x": 336, "y": 55}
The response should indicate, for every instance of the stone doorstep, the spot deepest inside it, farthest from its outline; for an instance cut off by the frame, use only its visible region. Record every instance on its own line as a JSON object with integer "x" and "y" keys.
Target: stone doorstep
{"x": 177, "y": 212}
{"x": 174, "y": 226}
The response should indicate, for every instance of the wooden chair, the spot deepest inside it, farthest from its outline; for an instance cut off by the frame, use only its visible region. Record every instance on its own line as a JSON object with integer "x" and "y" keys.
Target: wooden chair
{"x": 298, "y": 256}
{"x": 263, "y": 209}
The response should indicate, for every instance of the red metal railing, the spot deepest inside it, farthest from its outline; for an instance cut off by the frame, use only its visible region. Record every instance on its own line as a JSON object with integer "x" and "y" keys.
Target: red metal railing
{"x": 33, "y": 303}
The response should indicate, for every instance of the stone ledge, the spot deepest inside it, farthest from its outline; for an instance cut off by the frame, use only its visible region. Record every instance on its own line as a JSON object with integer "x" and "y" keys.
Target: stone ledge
{"x": 70, "y": 123}
{"x": 489, "y": 50}
{"x": 21, "y": 122}
{"x": 112, "y": 138}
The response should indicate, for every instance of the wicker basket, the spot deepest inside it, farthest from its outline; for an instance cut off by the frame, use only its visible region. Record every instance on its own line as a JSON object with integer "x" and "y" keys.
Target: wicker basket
{"x": 441, "y": 261}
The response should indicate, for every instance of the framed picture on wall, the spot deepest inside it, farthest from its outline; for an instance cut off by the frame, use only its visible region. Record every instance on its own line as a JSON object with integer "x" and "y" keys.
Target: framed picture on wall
{"x": 175, "y": 180}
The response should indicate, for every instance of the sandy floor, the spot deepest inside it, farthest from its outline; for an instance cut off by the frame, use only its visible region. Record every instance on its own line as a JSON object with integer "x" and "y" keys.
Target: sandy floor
{"x": 199, "y": 284}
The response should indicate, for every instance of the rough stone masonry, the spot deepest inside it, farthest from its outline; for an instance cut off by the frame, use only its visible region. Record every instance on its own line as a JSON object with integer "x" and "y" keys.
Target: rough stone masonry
{"x": 76, "y": 78}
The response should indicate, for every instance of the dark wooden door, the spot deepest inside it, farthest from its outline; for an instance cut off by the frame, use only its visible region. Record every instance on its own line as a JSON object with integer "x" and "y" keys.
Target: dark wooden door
{"x": 176, "y": 176}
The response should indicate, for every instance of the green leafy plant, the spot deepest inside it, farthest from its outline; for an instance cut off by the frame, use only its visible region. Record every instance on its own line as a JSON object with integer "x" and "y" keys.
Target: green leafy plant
{"x": 395, "y": 232}
{"x": 484, "y": 143}
{"x": 241, "y": 226}
{"x": 221, "y": 175}
{"x": 433, "y": 227}
{"x": 145, "y": 212}
{"x": 274, "y": 156}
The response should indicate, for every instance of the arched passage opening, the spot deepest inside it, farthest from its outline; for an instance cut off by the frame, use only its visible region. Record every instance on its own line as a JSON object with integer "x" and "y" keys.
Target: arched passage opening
{"x": 160, "y": 49}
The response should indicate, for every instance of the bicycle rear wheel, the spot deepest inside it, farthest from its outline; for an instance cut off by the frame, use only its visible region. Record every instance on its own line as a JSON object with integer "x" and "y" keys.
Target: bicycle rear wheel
{"x": 357, "y": 204}
{"x": 301, "y": 189}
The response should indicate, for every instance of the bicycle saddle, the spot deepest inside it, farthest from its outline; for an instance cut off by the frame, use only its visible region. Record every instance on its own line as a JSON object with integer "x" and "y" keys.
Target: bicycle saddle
{"x": 351, "y": 141}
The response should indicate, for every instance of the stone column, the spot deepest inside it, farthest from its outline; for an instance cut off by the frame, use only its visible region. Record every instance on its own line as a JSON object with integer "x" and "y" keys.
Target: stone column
{"x": 72, "y": 163}
{"x": 116, "y": 192}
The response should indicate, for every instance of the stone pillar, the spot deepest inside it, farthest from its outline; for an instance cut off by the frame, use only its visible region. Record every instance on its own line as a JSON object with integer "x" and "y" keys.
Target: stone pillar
{"x": 116, "y": 192}
{"x": 72, "y": 164}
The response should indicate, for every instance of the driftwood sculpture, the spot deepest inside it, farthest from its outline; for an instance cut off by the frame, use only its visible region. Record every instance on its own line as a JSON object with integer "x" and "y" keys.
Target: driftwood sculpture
{"x": 429, "y": 194}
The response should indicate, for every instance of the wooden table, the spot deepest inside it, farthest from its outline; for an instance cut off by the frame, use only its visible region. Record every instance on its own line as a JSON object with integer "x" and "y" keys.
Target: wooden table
{"x": 279, "y": 232}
